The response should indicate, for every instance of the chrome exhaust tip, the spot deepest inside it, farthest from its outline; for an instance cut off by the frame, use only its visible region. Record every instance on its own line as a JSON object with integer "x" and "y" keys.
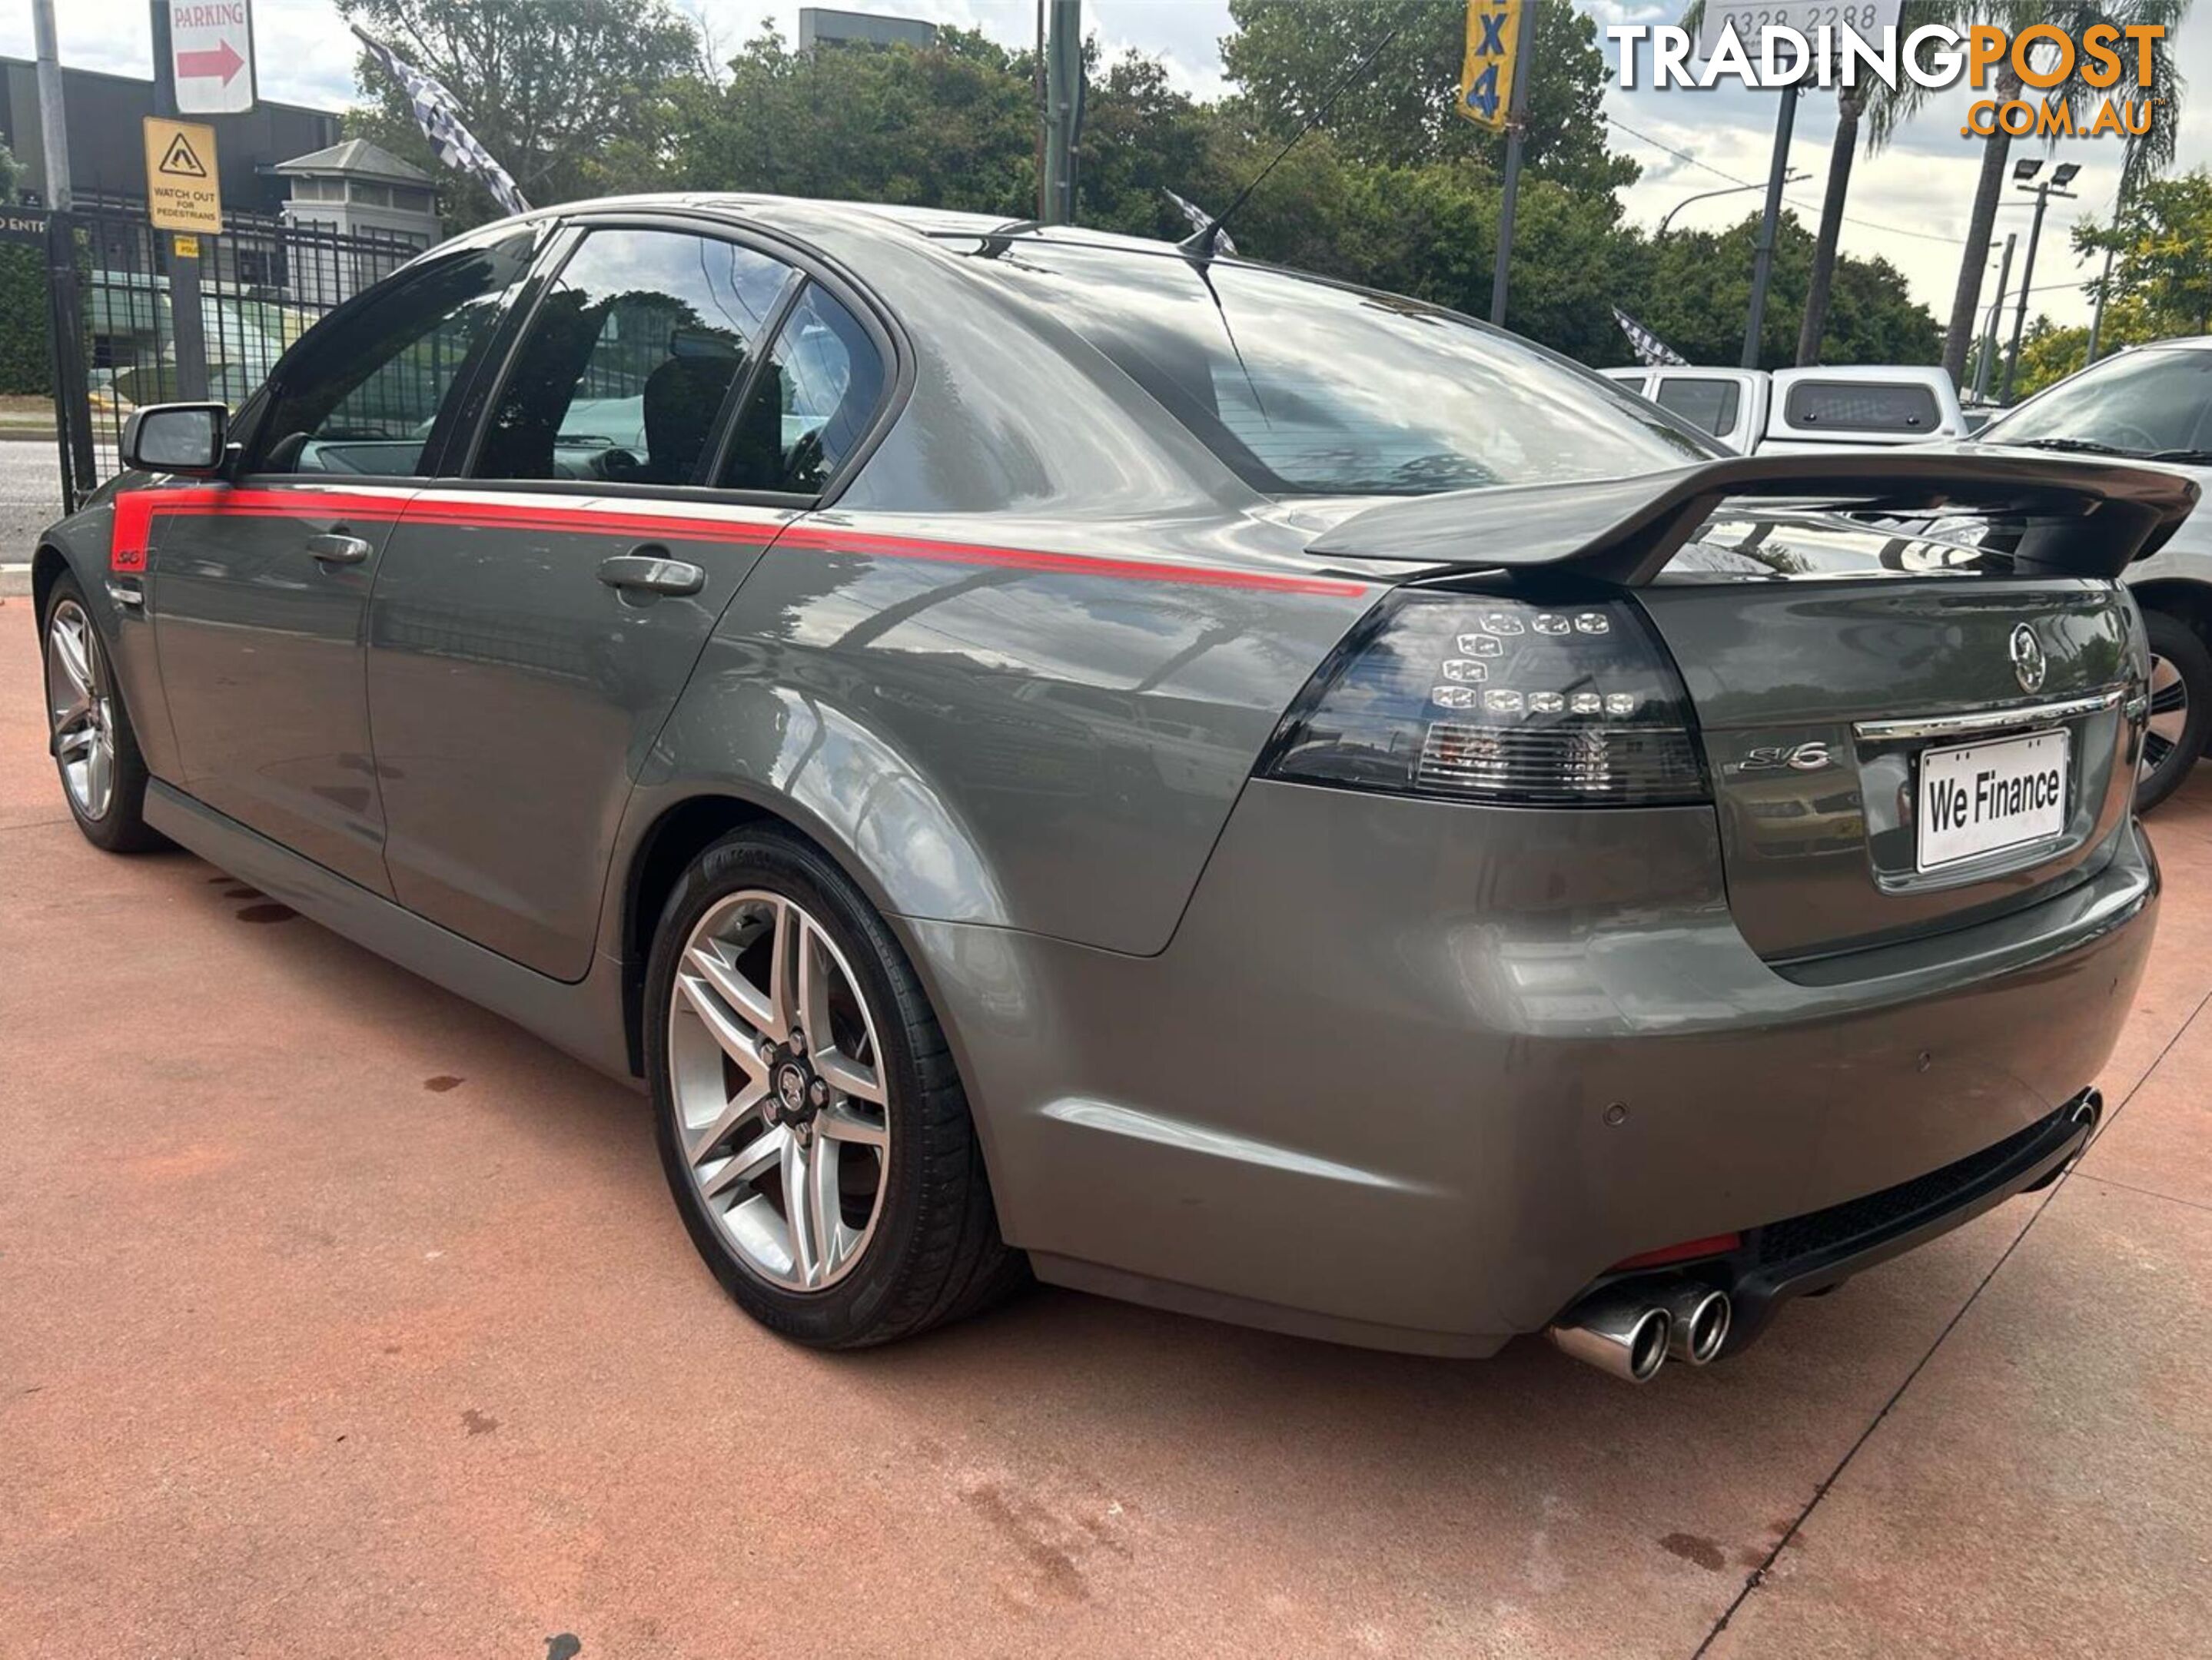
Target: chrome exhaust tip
{"x": 2089, "y": 1109}
{"x": 1625, "y": 1338}
{"x": 1698, "y": 1321}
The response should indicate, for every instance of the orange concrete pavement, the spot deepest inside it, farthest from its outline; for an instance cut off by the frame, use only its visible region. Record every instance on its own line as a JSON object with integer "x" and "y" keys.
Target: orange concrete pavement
{"x": 339, "y": 1318}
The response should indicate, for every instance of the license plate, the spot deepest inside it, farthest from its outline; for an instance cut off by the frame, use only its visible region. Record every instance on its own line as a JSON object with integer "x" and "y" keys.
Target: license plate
{"x": 1982, "y": 797}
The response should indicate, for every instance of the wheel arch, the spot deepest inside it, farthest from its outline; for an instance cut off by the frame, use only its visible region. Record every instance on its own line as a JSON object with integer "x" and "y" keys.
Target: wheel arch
{"x": 2186, "y": 602}
{"x": 682, "y": 826}
{"x": 46, "y": 566}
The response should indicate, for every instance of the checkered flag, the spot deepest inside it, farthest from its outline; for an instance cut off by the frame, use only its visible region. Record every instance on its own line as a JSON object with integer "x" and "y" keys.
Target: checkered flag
{"x": 439, "y": 116}
{"x": 1649, "y": 347}
{"x": 1200, "y": 219}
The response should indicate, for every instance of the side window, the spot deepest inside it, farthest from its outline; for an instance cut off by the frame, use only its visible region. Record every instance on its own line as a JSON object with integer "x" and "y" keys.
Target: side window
{"x": 1706, "y": 403}
{"x": 364, "y": 397}
{"x": 629, "y": 358}
{"x": 810, "y": 407}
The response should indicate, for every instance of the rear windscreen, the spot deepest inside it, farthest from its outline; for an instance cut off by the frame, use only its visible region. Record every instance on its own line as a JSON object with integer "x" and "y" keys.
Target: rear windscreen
{"x": 1861, "y": 406}
{"x": 1301, "y": 388}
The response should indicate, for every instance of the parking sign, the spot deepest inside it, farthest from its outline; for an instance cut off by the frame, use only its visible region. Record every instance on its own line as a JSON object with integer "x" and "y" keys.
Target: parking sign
{"x": 211, "y": 52}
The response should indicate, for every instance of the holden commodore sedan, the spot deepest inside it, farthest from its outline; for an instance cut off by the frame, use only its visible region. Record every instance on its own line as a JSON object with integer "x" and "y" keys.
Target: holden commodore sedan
{"x": 1045, "y": 752}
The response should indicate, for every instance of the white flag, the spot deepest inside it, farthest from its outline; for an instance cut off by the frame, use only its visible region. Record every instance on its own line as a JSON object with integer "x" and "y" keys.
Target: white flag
{"x": 439, "y": 116}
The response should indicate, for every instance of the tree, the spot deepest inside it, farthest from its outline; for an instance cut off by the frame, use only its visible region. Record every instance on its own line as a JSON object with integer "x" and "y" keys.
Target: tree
{"x": 1697, "y": 289}
{"x": 574, "y": 97}
{"x": 949, "y": 125}
{"x": 2144, "y": 158}
{"x": 2160, "y": 241}
{"x": 1287, "y": 56}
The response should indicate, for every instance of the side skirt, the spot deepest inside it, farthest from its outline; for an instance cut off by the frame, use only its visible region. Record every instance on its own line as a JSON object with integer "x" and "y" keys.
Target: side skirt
{"x": 585, "y": 1019}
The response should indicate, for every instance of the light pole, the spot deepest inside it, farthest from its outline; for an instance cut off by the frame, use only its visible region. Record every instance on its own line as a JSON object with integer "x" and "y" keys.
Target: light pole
{"x": 1762, "y": 264}
{"x": 1790, "y": 178}
{"x": 2022, "y": 171}
{"x": 1996, "y": 315}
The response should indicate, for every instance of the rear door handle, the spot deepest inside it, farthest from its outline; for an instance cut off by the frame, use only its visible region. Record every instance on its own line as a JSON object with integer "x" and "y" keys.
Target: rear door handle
{"x": 650, "y": 570}
{"x": 336, "y": 548}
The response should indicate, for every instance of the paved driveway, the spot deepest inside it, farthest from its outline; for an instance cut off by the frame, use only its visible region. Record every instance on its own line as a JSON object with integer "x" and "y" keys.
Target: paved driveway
{"x": 338, "y": 1318}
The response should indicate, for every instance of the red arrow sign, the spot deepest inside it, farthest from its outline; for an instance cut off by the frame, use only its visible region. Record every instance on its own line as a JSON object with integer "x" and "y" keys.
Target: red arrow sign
{"x": 223, "y": 62}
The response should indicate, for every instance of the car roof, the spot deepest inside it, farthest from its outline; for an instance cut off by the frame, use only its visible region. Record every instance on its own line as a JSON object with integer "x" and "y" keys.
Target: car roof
{"x": 801, "y": 214}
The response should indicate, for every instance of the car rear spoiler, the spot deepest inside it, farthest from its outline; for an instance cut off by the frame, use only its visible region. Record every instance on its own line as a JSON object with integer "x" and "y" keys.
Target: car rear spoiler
{"x": 2076, "y": 517}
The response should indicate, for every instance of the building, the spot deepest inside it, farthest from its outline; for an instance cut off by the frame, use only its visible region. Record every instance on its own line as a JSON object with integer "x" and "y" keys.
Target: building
{"x": 386, "y": 208}
{"x": 107, "y": 160}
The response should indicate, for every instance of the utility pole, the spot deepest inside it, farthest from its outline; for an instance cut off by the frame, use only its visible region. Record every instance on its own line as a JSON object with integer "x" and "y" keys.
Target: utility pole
{"x": 187, "y": 322}
{"x": 64, "y": 319}
{"x": 1990, "y": 334}
{"x": 2104, "y": 288}
{"x": 1063, "y": 110}
{"x": 2061, "y": 176}
{"x": 1043, "y": 118}
{"x": 1516, "y": 116}
{"x": 1762, "y": 266}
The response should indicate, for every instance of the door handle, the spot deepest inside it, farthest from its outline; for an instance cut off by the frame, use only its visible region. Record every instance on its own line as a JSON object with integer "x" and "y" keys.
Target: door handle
{"x": 336, "y": 548}
{"x": 649, "y": 571}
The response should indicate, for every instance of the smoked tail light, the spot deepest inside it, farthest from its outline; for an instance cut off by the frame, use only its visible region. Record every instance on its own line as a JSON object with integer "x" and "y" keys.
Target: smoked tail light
{"x": 1473, "y": 697}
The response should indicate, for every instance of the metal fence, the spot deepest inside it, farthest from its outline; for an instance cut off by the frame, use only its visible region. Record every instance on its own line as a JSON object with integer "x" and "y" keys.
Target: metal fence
{"x": 262, "y": 284}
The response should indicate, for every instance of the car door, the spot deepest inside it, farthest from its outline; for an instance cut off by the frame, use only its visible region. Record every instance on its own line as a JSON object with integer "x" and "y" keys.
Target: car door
{"x": 536, "y": 615}
{"x": 259, "y": 584}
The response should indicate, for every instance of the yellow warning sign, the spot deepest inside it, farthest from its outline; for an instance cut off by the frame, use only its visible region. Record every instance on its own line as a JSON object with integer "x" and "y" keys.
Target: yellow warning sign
{"x": 182, "y": 193}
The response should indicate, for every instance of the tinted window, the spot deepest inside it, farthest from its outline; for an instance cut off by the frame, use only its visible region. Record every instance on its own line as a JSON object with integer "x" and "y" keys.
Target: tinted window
{"x": 1708, "y": 404}
{"x": 1303, "y": 388}
{"x": 810, "y": 406}
{"x": 629, "y": 358}
{"x": 2143, "y": 401}
{"x": 364, "y": 396}
{"x": 1855, "y": 406}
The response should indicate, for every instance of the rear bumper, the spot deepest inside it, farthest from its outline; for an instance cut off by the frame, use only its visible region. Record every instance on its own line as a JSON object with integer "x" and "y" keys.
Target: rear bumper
{"x": 1803, "y": 1256}
{"x": 1415, "y": 1074}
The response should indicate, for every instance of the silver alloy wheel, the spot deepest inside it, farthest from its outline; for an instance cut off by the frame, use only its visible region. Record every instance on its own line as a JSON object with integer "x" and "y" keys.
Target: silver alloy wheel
{"x": 778, "y": 1084}
{"x": 2169, "y": 714}
{"x": 81, "y": 706}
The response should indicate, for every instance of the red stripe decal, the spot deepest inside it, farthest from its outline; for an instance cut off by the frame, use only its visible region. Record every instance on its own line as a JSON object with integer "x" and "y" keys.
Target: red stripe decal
{"x": 132, "y": 529}
{"x": 433, "y": 508}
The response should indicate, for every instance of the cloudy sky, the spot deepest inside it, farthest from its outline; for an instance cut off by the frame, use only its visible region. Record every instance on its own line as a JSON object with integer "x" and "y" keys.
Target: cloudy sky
{"x": 1910, "y": 202}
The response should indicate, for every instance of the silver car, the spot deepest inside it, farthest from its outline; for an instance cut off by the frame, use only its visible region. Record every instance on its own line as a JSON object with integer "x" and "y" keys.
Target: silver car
{"x": 1044, "y": 753}
{"x": 2153, "y": 404}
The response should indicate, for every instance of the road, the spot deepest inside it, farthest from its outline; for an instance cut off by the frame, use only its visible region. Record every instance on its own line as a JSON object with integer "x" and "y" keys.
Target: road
{"x": 338, "y": 1317}
{"x": 30, "y": 500}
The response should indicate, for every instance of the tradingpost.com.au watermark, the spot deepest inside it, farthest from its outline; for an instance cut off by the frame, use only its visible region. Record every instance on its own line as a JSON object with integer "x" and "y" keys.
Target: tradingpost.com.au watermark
{"x": 1846, "y": 45}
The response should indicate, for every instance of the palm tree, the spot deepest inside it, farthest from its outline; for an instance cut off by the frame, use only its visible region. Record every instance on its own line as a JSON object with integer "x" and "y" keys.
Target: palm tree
{"x": 1850, "y": 104}
{"x": 2148, "y": 155}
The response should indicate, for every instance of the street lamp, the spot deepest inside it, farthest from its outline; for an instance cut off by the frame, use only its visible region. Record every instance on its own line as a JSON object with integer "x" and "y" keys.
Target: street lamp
{"x": 2061, "y": 176}
{"x": 1727, "y": 189}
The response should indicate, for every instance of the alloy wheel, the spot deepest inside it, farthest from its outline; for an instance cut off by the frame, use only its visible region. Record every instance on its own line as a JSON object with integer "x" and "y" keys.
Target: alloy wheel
{"x": 80, "y": 708}
{"x": 2169, "y": 714}
{"x": 777, "y": 1081}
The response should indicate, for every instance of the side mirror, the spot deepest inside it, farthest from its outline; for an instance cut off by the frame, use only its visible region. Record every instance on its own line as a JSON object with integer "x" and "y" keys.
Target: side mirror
{"x": 186, "y": 438}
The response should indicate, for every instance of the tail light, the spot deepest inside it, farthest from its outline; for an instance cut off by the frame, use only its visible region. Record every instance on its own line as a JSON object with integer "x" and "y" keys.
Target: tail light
{"x": 1509, "y": 701}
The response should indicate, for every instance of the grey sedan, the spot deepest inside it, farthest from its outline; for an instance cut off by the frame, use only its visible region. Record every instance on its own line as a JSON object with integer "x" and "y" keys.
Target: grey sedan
{"x": 1043, "y": 753}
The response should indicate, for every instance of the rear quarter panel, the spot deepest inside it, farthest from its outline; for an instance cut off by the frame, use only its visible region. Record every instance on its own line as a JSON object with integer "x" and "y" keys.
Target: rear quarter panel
{"x": 1047, "y": 734}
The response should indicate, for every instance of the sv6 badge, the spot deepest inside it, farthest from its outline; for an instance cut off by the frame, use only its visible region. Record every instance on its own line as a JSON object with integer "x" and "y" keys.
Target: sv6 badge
{"x": 1771, "y": 757}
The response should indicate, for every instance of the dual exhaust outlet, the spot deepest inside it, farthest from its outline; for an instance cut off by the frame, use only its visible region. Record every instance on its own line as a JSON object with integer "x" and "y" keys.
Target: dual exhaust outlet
{"x": 1631, "y": 1332}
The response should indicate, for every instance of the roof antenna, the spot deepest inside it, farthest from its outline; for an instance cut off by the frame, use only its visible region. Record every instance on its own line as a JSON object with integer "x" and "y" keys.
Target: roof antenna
{"x": 1200, "y": 245}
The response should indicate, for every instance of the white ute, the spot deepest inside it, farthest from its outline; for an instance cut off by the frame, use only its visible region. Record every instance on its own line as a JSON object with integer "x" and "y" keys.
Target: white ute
{"x": 1801, "y": 411}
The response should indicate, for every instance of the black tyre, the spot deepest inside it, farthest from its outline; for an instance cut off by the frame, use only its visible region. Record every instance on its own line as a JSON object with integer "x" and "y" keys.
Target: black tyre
{"x": 2180, "y": 704}
{"x": 96, "y": 750}
{"x": 811, "y": 1121}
